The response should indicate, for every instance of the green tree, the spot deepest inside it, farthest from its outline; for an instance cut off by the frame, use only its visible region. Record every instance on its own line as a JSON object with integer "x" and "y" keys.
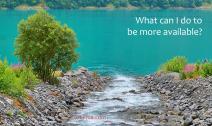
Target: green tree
{"x": 163, "y": 4}
{"x": 138, "y": 3}
{"x": 45, "y": 45}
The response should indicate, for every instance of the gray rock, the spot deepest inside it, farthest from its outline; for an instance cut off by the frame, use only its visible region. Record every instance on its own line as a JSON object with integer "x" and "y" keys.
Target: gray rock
{"x": 77, "y": 104}
{"x": 187, "y": 122}
{"x": 50, "y": 118}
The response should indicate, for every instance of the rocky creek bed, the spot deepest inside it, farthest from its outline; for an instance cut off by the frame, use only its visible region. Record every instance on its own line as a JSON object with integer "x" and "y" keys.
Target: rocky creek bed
{"x": 51, "y": 105}
{"x": 153, "y": 100}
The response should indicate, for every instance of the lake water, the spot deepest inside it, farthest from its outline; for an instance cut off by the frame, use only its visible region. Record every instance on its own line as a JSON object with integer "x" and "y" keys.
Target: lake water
{"x": 105, "y": 46}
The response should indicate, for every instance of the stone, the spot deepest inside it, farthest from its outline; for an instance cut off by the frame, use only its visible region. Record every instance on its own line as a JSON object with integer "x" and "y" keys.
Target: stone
{"x": 17, "y": 124}
{"x": 77, "y": 104}
{"x": 154, "y": 112}
{"x": 10, "y": 101}
{"x": 76, "y": 99}
{"x": 168, "y": 93}
{"x": 2, "y": 104}
{"x": 187, "y": 122}
{"x": 209, "y": 120}
{"x": 117, "y": 98}
{"x": 69, "y": 73}
{"x": 62, "y": 116}
{"x": 163, "y": 91}
{"x": 50, "y": 118}
{"x": 132, "y": 91}
{"x": 22, "y": 121}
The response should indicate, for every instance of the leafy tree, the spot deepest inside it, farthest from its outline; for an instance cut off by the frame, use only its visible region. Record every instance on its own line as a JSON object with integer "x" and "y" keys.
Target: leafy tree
{"x": 45, "y": 45}
{"x": 120, "y": 3}
{"x": 74, "y": 4}
{"x": 138, "y": 3}
{"x": 163, "y": 3}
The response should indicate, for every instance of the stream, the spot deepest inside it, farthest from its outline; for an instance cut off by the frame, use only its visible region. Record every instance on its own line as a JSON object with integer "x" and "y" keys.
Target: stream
{"x": 104, "y": 108}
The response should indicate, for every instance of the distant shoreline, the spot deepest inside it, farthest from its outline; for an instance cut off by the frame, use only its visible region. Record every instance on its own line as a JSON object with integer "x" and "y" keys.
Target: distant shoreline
{"x": 26, "y": 8}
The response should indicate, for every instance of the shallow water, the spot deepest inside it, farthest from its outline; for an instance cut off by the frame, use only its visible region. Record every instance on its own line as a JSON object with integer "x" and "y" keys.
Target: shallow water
{"x": 104, "y": 108}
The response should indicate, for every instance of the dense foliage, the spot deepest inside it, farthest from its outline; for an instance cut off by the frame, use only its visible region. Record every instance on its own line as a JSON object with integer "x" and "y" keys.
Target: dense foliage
{"x": 45, "y": 45}
{"x": 179, "y": 64}
{"x": 175, "y": 64}
{"x": 206, "y": 69}
{"x": 14, "y": 80}
{"x": 73, "y": 4}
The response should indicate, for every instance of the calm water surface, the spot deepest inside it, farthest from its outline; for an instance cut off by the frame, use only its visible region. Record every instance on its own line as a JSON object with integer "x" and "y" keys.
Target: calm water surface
{"x": 104, "y": 42}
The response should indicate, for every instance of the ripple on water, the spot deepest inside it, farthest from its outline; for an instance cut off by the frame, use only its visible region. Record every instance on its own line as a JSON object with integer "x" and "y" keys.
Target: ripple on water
{"x": 101, "y": 107}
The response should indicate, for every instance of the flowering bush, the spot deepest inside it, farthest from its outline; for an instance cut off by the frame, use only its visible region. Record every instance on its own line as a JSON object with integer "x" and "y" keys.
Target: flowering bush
{"x": 189, "y": 68}
{"x": 187, "y": 71}
{"x": 176, "y": 64}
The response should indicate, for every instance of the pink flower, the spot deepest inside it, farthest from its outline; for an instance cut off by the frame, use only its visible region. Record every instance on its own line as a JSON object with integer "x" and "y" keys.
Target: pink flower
{"x": 189, "y": 68}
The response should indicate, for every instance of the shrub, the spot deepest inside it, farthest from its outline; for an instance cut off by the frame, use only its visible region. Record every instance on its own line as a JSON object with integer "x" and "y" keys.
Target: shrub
{"x": 206, "y": 69}
{"x": 28, "y": 78}
{"x": 13, "y": 80}
{"x": 9, "y": 83}
{"x": 45, "y": 45}
{"x": 190, "y": 75}
{"x": 176, "y": 64}
{"x": 187, "y": 71}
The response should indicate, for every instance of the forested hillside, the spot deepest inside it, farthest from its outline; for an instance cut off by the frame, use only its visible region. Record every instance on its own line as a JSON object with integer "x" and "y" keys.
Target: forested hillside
{"x": 75, "y": 4}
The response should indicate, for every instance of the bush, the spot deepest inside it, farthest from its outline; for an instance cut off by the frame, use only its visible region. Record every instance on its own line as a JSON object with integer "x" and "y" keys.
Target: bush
{"x": 28, "y": 79}
{"x": 13, "y": 80}
{"x": 190, "y": 75}
{"x": 9, "y": 83}
{"x": 187, "y": 71}
{"x": 206, "y": 69}
{"x": 45, "y": 45}
{"x": 174, "y": 65}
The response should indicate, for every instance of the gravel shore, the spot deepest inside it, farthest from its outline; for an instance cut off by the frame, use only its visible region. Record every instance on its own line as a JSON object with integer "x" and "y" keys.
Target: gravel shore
{"x": 51, "y": 105}
{"x": 183, "y": 102}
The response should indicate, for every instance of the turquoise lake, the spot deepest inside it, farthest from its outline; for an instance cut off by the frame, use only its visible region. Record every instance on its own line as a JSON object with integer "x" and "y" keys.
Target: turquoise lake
{"x": 105, "y": 45}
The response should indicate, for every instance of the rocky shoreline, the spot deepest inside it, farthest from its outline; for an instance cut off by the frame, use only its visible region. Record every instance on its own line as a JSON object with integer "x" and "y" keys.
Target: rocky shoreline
{"x": 51, "y": 105}
{"x": 183, "y": 102}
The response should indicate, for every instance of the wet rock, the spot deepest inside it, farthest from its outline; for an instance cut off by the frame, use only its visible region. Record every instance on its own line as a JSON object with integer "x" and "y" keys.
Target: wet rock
{"x": 117, "y": 98}
{"x": 132, "y": 91}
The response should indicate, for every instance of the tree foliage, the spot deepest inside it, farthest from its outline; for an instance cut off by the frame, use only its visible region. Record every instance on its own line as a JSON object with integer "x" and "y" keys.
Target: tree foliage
{"x": 74, "y": 4}
{"x": 45, "y": 45}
